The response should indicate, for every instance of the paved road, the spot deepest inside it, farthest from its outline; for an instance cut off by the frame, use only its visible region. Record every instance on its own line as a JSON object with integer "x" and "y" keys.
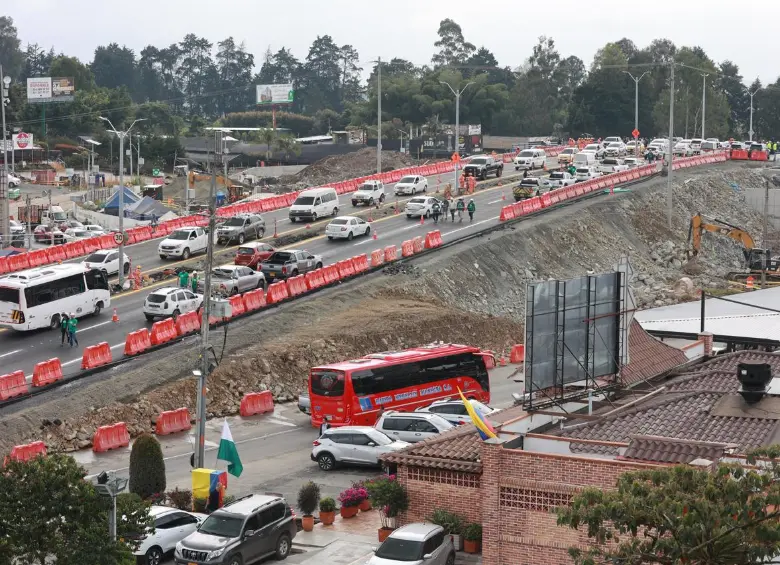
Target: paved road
{"x": 21, "y": 350}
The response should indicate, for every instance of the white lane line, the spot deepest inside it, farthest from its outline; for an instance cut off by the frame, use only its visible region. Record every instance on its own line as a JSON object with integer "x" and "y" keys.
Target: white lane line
{"x": 95, "y": 326}
{"x": 496, "y": 201}
{"x": 10, "y": 353}
{"x": 470, "y": 225}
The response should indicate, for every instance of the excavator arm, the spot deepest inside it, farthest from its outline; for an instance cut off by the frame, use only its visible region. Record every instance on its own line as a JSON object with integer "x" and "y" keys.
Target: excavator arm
{"x": 700, "y": 224}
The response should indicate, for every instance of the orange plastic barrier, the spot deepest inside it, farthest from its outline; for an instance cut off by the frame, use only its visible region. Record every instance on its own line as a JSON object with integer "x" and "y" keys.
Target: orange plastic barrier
{"x": 27, "y": 451}
{"x": 47, "y": 372}
{"x": 110, "y": 437}
{"x": 254, "y": 300}
{"x": 391, "y": 253}
{"x": 759, "y": 156}
{"x": 107, "y": 241}
{"x": 377, "y": 258}
{"x": 739, "y": 154}
{"x": 418, "y": 244}
{"x": 507, "y": 213}
{"x": 18, "y": 262}
{"x": 433, "y": 239}
{"x": 276, "y": 292}
{"x": 96, "y": 356}
{"x": 360, "y": 263}
{"x": 346, "y": 268}
{"x": 331, "y": 274}
{"x": 296, "y": 285}
{"x": 12, "y": 384}
{"x": 188, "y": 323}
{"x": 517, "y": 354}
{"x": 4, "y": 265}
{"x": 256, "y": 403}
{"x": 236, "y": 305}
{"x": 172, "y": 421}
{"x": 137, "y": 342}
{"x": 37, "y": 258}
{"x": 163, "y": 332}
{"x": 407, "y": 248}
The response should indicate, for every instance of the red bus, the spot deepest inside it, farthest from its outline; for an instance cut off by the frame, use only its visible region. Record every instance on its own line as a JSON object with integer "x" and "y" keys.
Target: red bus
{"x": 353, "y": 393}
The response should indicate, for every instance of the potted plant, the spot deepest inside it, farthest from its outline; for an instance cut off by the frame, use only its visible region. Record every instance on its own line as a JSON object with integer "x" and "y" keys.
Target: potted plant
{"x": 472, "y": 538}
{"x": 390, "y": 497}
{"x": 452, "y": 524}
{"x": 350, "y": 500}
{"x": 365, "y": 504}
{"x": 308, "y": 499}
{"x": 327, "y": 511}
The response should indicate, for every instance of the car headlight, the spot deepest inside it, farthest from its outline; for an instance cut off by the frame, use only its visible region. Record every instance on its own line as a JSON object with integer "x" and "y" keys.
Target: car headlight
{"x": 178, "y": 549}
{"x": 214, "y": 554}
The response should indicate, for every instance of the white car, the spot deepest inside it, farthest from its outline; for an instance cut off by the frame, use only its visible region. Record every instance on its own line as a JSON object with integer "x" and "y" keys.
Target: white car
{"x": 696, "y": 146}
{"x": 633, "y": 162}
{"x": 170, "y": 527}
{"x": 347, "y": 227}
{"x": 415, "y": 544}
{"x": 13, "y": 181}
{"x": 411, "y": 184}
{"x": 361, "y": 445}
{"x": 419, "y": 206}
{"x": 530, "y": 159}
{"x": 559, "y": 179}
{"x": 615, "y": 149}
{"x": 411, "y": 426}
{"x": 169, "y": 302}
{"x": 75, "y": 234}
{"x": 612, "y": 165}
{"x": 585, "y": 173}
{"x": 454, "y": 411}
{"x": 683, "y": 148}
{"x": 595, "y": 148}
{"x": 183, "y": 243}
{"x": 370, "y": 193}
{"x": 107, "y": 260}
{"x": 95, "y": 230}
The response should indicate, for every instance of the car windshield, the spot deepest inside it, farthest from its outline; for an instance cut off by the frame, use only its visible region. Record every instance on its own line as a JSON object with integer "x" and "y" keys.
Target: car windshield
{"x": 533, "y": 182}
{"x": 234, "y": 223}
{"x": 79, "y": 233}
{"x": 369, "y": 187}
{"x": 339, "y": 222}
{"x": 395, "y": 549}
{"x": 279, "y": 257}
{"x": 610, "y": 162}
{"x": 479, "y": 161}
{"x": 179, "y": 234}
{"x": 222, "y": 273}
{"x": 526, "y": 154}
{"x": 222, "y": 526}
{"x": 157, "y": 298}
{"x": 583, "y": 171}
{"x": 96, "y": 258}
{"x": 379, "y": 437}
{"x": 556, "y": 175}
{"x": 406, "y": 180}
{"x": 614, "y": 144}
{"x": 568, "y": 151}
{"x": 417, "y": 201}
{"x": 483, "y": 408}
{"x": 304, "y": 201}
{"x": 246, "y": 251}
{"x": 327, "y": 383}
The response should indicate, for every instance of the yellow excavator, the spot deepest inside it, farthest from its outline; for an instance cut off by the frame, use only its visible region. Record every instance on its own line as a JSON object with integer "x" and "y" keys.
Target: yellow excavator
{"x": 755, "y": 259}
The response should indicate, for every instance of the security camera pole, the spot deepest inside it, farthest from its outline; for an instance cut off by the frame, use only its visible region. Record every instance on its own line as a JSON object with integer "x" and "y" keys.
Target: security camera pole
{"x": 121, "y": 135}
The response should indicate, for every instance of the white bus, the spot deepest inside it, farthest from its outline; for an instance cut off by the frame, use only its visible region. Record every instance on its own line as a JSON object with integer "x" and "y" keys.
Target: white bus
{"x": 35, "y": 298}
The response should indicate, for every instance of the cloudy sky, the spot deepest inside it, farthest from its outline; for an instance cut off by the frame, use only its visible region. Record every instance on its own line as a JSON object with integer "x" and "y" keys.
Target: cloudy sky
{"x": 407, "y": 28}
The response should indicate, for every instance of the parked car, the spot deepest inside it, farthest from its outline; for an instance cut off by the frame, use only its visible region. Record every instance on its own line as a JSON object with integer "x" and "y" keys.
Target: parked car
{"x": 361, "y": 445}
{"x": 170, "y": 527}
{"x": 530, "y": 159}
{"x": 410, "y": 184}
{"x": 419, "y": 206}
{"x": 696, "y": 146}
{"x": 415, "y": 544}
{"x": 246, "y": 530}
{"x": 13, "y": 180}
{"x": 95, "y": 230}
{"x": 633, "y": 162}
{"x": 411, "y": 427}
{"x": 75, "y": 234}
{"x": 169, "y": 302}
{"x": 229, "y": 280}
{"x": 454, "y": 411}
{"x": 683, "y": 148}
{"x": 183, "y": 243}
{"x": 558, "y": 179}
{"x": 241, "y": 228}
{"x": 285, "y": 264}
{"x": 370, "y": 193}
{"x": 75, "y": 224}
{"x": 48, "y": 234}
{"x": 347, "y": 227}
{"x": 107, "y": 260}
{"x": 252, "y": 253}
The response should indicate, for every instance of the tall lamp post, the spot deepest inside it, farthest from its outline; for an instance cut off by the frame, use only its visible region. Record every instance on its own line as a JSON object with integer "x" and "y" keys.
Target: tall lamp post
{"x": 636, "y": 107}
{"x": 703, "y": 101}
{"x": 457, "y": 94}
{"x": 751, "y": 94}
{"x": 6, "y": 226}
{"x": 121, "y": 135}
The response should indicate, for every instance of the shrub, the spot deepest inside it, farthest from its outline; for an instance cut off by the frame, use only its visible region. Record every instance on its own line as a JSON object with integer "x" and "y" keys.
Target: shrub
{"x": 147, "y": 467}
{"x": 228, "y": 498}
{"x": 181, "y": 499}
{"x": 352, "y": 497}
{"x": 389, "y": 496}
{"x": 451, "y": 522}
{"x": 473, "y": 532}
{"x": 308, "y": 498}
{"x": 327, "y": 504}
{"x": 199, "y": 505}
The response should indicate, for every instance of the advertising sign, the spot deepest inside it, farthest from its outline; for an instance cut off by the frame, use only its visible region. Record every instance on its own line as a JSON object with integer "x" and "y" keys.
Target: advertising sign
{"x": 47, "y": 89}
{"x": 275, "y": 94}
{"x": 22, "y": 141}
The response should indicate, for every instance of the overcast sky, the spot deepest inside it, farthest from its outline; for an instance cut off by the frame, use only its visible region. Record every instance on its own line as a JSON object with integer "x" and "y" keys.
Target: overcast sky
{"x": 407, "y": 28}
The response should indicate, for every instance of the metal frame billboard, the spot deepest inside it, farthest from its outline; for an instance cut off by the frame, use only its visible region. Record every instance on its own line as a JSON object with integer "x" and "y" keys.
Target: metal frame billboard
{"x": 269, "y": 94}
{"x": 45, "y": 90}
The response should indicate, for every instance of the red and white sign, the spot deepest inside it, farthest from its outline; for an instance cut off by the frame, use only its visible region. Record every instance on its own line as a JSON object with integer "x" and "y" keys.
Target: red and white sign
{"x": 23, "y": 140}
{"x": 635, "y": 133}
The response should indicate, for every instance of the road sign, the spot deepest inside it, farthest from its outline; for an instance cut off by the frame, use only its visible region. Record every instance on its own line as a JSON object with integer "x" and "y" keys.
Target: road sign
{"x": 22, "y": 140}
{"x": 140, "y": 161}
{"x": 635, "y": 133}
{"x": 456, "y": 157}
{"x": 155, "y": 172}
{"x": 118, "y": 238}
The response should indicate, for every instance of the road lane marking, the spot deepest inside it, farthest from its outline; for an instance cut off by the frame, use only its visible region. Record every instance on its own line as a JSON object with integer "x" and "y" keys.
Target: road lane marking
{"x": 469, "y": 225}
{"x": 11, "y": 353}
{"x": 95, "y": 326}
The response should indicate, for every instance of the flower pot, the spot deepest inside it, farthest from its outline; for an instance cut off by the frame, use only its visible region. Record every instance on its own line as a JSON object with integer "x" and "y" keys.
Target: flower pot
{"x": 383, "y": 533}
{"x": 327, "y": 518}
{"x": 307, "y": 523}
{"x": 349, "y": 511}
{"x": 365, "y": 505}
{"x": 472, "y": 545}
{"x": 457, "y": 541}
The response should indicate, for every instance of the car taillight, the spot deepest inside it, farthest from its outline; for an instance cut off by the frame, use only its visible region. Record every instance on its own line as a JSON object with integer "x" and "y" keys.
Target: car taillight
{"x": 284, "y": 270}
{"x": 343, "y": 229}
{"x": 315, "y": 443}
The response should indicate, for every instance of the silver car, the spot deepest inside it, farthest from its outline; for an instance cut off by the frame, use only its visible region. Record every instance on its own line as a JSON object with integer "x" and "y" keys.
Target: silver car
{"x": 241, "y": 228}
{"x": 415, "y": 544}
{"x": 360, "y": 445}
{"x": 233, "y": 279}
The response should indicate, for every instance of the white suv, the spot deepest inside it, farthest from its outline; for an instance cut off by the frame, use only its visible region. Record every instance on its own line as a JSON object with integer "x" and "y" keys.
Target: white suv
{"x": 107, "y": 260}
{"x": 170, "y": 302}
{"x": 370, "y": 193}
{"x": 411, "y": 427}
{"x": 184, "y": 242}
{"x": 361, "y": 445}
{"x": 170, "y": 527}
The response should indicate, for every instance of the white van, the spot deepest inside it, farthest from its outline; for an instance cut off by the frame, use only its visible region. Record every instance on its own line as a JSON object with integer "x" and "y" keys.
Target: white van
{"x": 584, "y": 159}
{"x": 315, "y": 203}
{"x": 530, "y": 159}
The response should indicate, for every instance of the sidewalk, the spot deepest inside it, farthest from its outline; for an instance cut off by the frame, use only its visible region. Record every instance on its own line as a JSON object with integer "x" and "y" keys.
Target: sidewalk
{"x": 350, "y": 542}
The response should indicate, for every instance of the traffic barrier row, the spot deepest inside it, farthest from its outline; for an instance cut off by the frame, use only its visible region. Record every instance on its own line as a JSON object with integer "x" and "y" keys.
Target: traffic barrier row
{"x": 172, "y": 421}
{"x": 12, "y": 384}
{"x": 26, "y": 451}
{"x": 110, "y": 437}
{"x": 47, "y": 372}
{"x": 137, "y": 342}
{"x": 706, "y": 159}
{"x": 346, "y": 268}
{"x": 360, "y": 264}
{"x": 236, "y": 305}
{"x": 256, "y": 403}
{"x": 433, "y": 240}
{"x": 254, "y": 300}
{"x": 188, "y": 323}
{"x": 276, "y": 292}
{"x": 163, "y": 332}
{"x": 296, "y": 285}
{"x": 96, "y": 356}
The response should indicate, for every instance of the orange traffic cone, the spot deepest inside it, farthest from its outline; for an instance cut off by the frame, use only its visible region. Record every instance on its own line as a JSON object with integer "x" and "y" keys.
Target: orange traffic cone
{"x": 544, "y": 167}
{"x": 502, "y": 362}
{"x": 308, "y": 226}
{"x": 374, "y": 235}
{"x": 369, "y": 219}
{"x": 115, "y": 317}
{"x": 503, "y": 196}
{"x": 422, "y": 219}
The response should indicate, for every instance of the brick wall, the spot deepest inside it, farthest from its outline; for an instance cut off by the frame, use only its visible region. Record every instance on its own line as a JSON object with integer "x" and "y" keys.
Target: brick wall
{"x": 429, "y": 489}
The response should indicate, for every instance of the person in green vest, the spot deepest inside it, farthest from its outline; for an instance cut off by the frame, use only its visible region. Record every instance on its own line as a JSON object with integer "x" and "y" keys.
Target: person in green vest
{"x": 72, "y": 323}
{"x": 184, "y": 279}
{"x": 64, "y": 328}
{"x": 572, "y": 170}
{"x": 471, "y": 208}
{"x": 194, "y": 281}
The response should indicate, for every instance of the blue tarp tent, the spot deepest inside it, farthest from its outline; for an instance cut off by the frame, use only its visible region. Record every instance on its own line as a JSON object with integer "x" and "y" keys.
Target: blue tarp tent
{"x": 112, "y": 204}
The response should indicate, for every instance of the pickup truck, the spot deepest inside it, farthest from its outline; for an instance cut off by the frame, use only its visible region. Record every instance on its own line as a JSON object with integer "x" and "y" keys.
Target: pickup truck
{"x": 370, "y": 193}
{"x": 482, "y": 167}
{"x": 284, "y": 264}
{"x": 559, "y": 179}
{"x": 528, "y": 188}
{"x": 612, "y": 165}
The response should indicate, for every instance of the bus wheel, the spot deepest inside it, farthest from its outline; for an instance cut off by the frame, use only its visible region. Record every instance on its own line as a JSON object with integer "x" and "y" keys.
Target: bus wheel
{"x": 55, "y": 322}
{"x": 98, "y": 308}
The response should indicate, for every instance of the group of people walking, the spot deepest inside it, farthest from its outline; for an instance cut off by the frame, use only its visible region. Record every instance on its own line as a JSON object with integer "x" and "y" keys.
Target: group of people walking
{"x": 68, "y": 323}
{"x": 453, "y": 206}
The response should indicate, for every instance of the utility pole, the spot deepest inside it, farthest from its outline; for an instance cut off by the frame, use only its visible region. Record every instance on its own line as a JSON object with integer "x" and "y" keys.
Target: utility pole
{"x": 6, "y": 235}
{"x": 379, "y": 115}
{"x": 130, "y": 143}
{"x": 751, "y": 94}
{"x": 28, "y": 202}
{"x": 764, "y": 233}
{"x": 636, "y": 107}
{"x": 121, "y": 208}
{"x": 703, "y": 101}
{"x": 457, "y": 94}
{"x": 670, "y": 150}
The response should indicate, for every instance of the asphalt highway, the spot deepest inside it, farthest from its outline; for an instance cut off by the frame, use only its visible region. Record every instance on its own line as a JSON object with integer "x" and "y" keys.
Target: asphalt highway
{"x": 22, "y": 350}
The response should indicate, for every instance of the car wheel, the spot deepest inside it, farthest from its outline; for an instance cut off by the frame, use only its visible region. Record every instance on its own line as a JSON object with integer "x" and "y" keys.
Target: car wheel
{"x": 292, "y": 220}
{"x": 260, "y": 284}
{"x": 314, "y": 217}
{"x": 335, "y": 212}
{"x": 235, "y": 560}
{"x": 368, "y": 230}
{"x": 175, "y": 314}
{"x": 161, "y": 257}
{"x": 241, "y": 239}
{"x": 294, "y": 273}
{"x": 425, "y": 187}
{"x": 349, "y": 236}
{"x": 370, "y": 201}
{"x": 408, "y": 215}
{"x": 450, "y": 559}
{"x": 326, "y": 461}
{"x": 318, "y": 266}
{"x": 154, "y": 556}
{"x": 186, "y": 253}
{"x": 149, "y": 317}
{"x": 330, "y": 237}
{"x": 127, "y": 268}
{"x": 55, "y": 322}
{"x": 283, "y": 546}
{"x": 98, "y": 308}
{"x": 234, "y": 291}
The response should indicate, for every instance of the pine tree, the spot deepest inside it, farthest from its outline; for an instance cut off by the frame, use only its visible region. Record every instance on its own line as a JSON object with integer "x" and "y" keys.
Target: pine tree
{"x": 147, "y": 467}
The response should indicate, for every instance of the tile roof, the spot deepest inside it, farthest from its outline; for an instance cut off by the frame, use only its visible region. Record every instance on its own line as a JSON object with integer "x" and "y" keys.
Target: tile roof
{"x": 671, "y": 450}
{"x": 648, "y": 357}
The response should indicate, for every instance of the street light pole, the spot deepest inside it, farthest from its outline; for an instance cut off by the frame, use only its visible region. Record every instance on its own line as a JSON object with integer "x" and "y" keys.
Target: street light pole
{"x": 379, "y": 116}
{"x": 670, "y": 149}
{"x": 751, "y": 94}
{"x": 703, "y": 101}
{"x": 636, "y": 108}
{"x": 6, "y": 235}
{"x": 457, "y": 94}
{"x": 121, "y": 208}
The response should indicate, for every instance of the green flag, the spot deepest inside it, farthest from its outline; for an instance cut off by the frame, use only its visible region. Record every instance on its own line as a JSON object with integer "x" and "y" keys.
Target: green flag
{"x": 228, "y": 452}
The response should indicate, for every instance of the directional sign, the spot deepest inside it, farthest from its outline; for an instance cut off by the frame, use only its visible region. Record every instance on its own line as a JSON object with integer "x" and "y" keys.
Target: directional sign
{"x": 118, "y": 237}
{"x": 635, "y": 133}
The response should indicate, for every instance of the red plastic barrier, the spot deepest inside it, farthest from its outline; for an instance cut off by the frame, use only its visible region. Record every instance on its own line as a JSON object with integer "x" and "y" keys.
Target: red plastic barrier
{"x": 433, "y": 239}
{"x": 78, "y": 248}
{"x": 346, "y": 268}
{"x": 137, "y": 342}
{"x": 4, "y": 268}
{"x": 377, "y": 258}
{"x": 18, "y": 262}
{"x": 172, "y": 421}
{"x": 107, "y": 241}
{"x": 332, "y": 274}
{"x": 12, "y": 384}
{"x": 759, "y": 156}
{"x": 391, "y": 253}
{"x": 418, "y": 244}
{"x": 188, "y": 323}
{"x": 47, "y": 372}
{"x": 27, "y": 451}
{"x": 37, "y": 258}
{"x": 96, "y": 356}
{"x": 360, "y": 263}
{"x": 254, "y": 300}
{"x": 312, "y": 279}
{"x": 236, "y": 305}
{"x": 507, "y": 213}
{"x": 276, "y": 292}
{"x": 110, "y": 437}
{"x": 517, "y": 354}
{"x": 407, "y": 248}
{"x": 256, "y": 403}
{"x": 296, "y": 285}
{"x": 544, "y": 200}
{"x": 163, "y": 332}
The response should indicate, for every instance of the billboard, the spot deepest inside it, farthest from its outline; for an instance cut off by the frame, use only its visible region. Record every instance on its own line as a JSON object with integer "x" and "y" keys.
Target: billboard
{"x": 50, "y": 89}
{"x": 275, "y": 94}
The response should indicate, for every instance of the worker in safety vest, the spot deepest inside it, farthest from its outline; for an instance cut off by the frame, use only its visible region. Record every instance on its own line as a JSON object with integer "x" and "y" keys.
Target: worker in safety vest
{"x": 472, "y": 184}
{"x": 463, "y": 180}
{"x": 137, "y": 277}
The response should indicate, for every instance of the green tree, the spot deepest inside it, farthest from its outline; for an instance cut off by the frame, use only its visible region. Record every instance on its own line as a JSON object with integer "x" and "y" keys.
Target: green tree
{"x": 147, "y": 467}
{"x": 683, "y": 514}
{"x": 729, "y": 82}
{"x": 51, "y": 514}
{"x": 453, "y": 49}
{"x": 63, "y": 66}
{"x": 321, "y": 77}
{"x": 197, "y": 74}
{"x": 234, "y": 66}
{"x": 288, "y": 145}
{"x": 10, "y": 51}
{"x": 114, "y": 66}
{"x": 36, "y": 62}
